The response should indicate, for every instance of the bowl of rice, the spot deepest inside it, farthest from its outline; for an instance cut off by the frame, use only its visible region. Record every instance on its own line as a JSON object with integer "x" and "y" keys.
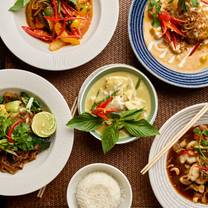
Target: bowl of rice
{"x": 99, "y": 185}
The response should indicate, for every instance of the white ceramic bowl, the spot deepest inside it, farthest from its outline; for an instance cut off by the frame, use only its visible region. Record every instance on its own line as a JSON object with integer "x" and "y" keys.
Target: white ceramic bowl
{"x": 161, "y": 185}
{"x": 97, "y": 74}
{"x": 50, "y": 162}
{"x": 111, "y": 170}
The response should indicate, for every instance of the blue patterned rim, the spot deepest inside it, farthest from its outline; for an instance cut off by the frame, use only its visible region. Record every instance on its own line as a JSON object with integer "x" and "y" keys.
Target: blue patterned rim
{"x": 136, "y": 36}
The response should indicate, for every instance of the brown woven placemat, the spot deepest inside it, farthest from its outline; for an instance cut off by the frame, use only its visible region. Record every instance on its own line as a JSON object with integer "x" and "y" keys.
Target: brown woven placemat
{"x": 129, "y": 158}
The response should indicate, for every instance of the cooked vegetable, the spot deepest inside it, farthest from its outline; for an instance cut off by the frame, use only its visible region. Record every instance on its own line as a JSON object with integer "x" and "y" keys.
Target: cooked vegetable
{"x": 57, "y": 22}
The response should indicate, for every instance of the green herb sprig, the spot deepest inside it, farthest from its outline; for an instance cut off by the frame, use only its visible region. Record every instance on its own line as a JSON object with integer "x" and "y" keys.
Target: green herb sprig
{"x": 129, "y": 120}
{"x": 154, "y": 7}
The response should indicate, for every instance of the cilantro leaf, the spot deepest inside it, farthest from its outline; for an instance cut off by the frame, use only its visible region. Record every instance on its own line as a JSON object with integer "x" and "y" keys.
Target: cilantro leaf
{"x": 1, "y": 99}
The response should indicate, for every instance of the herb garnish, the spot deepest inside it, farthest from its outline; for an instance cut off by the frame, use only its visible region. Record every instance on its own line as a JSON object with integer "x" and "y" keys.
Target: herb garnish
{"x": 19, "y": 4}
{"x": 154, "y": 8}
{"x": 129, "y": 120}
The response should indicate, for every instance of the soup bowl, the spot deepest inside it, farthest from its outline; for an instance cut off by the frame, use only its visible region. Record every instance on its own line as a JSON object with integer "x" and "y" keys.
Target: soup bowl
{"x": 164, "y": 191}
{"x": 113, "y": 68}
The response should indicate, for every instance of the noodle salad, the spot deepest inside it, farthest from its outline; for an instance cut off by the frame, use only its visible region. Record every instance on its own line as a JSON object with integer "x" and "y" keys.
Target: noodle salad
{"x": 26, "y": 127}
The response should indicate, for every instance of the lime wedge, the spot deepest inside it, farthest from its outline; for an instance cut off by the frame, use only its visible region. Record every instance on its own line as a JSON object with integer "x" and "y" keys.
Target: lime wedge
{"x": 44, "y": 124}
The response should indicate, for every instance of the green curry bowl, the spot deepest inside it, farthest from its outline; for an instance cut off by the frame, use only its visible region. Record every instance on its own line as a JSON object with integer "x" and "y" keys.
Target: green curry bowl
{"x": 131, "y": 89}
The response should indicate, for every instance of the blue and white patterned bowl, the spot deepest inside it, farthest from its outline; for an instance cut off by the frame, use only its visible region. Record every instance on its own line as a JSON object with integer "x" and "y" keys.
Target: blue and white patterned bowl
{"x": 136, "y": 36}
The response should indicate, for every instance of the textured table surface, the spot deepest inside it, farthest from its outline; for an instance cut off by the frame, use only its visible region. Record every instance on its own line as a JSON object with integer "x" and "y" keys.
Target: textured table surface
{"x": 129, "y": 158}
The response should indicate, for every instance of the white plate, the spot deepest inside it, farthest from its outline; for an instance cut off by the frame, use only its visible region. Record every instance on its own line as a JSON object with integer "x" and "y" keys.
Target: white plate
{"x": 161, "y": 185}
{"x": 50, "y": 162}
{"x": 36, "y": 53}
{"x": 123, "y": 181}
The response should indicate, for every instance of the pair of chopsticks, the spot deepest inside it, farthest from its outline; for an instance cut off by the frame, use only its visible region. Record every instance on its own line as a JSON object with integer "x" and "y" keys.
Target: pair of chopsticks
{"x": 73, "y": 111}
{"x": 175, "y": 139}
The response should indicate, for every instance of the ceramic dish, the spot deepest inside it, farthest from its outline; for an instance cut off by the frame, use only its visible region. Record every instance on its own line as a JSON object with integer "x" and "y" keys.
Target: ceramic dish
{"x": 99, "y": 73}
{"x": 105, "y": 17}
{"x": 111, "y": 170}
{"x": 136, "y": 36}
{"x": 50, "y": 162}
{"x": 161, "y": 185}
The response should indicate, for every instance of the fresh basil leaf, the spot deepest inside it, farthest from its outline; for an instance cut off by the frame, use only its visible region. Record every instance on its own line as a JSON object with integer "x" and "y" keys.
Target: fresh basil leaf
{"x": 155, "y": 21}
{"x": 85, "y": 122}
{"x": 131, "y": 114}
{"x": 141, "y": 128}
{"x": 1, "y": 99}
{"x": 109, "y": 138}
{"x": 19, "y": 4}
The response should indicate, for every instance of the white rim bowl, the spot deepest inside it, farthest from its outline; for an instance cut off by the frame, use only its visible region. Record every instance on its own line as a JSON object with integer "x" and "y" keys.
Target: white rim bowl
{"x": 36, "y": 53}
{"x": 50, "y": 162}
{"x": 109, "y": 169}
{"x": 161, "y": 185}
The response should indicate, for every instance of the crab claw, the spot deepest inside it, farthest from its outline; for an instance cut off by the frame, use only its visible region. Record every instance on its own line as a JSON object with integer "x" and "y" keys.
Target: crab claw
{"x": 39, "y": 34}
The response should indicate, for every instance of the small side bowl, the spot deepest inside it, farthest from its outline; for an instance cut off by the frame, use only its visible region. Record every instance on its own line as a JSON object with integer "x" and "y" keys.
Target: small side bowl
{"x": 100, "y": 72}
{"x": 111, "y": 170}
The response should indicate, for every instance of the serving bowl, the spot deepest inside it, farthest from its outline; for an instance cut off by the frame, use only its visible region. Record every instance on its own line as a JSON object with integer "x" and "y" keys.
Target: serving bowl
{"x": 36, "y": 53}
{"x": 161, "y": 185}
{"x": 50, "y": 162}
{"x": 125, "y": 186}
{"x": 136, "y": 37}
{"x": 99, "y": 73}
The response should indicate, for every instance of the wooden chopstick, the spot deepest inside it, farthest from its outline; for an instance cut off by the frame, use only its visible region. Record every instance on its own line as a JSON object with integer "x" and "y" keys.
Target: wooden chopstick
{"x": 73, "y": 111}
{"x": 175, "y": 139}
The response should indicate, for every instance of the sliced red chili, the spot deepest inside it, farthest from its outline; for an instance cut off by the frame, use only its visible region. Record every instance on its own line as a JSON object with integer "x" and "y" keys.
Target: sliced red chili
{"x": 105, "y": 103}
{"x": 12, "y": 128}
{"x": 39, "y": 34}
{"x": 194, "y": 49}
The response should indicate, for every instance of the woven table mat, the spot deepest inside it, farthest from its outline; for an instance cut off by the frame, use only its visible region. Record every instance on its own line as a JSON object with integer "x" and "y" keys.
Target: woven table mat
{"x": 129, "y": 158}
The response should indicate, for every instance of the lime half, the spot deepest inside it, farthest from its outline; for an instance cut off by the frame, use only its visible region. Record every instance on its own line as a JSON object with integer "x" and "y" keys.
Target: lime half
{"x": 44, "y": 124}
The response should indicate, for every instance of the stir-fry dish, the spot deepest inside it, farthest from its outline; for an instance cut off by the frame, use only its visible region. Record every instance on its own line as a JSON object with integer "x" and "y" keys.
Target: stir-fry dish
{"x": 26, "y": 126}
{"x": 117, "y": 106}
{"x": 57, "y": 22}
{"x": 187, "y": 164}
{"x": 176, "y": 32}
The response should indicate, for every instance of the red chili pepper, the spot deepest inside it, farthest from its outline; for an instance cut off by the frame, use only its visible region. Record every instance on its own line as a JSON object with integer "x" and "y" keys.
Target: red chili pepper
{"x": 55, "y": 8}
{"x": 105, "y": 103}
{"x": 173, "y": 28}
{"x": 194, "y": 48}
{"x": 164, "y": 27}
{"x": 11, "y": 129}
{"x": 168, "y": 36}
{"x": 102, "y": 115}
{"x": 175, "y": 42}
{"x": 39, "y": 34}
